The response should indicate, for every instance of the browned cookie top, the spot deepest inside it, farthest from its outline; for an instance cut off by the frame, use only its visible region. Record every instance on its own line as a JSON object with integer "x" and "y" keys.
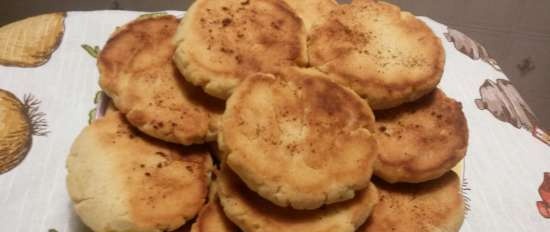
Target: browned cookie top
{"x": 422, "y": 140}
{"x": 384, "y": 54}
{"x": 298, "y": 139}
{"x": 222, "y": 42}
{"x": 137, "y": 72}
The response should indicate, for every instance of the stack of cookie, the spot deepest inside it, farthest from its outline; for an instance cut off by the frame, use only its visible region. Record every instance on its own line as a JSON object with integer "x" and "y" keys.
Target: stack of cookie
{"x": 296, "y": 104}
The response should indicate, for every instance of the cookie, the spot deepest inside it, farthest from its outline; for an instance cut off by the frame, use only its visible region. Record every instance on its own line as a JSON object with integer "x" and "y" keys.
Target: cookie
{"x": 253, "y": 213}
{"x": 137, "y": 72}
{"x": 222, "y": 42}
{"x": 212, "y": 218}
{"x": 312, "y": 11}
{"x": 436, "y": 205}
{"x": 122, "y": 180}
{"x": 385, "y": 55}
{"x": 30, "y": 42}
{"x": 298, "y": 139}
{"x": 420, "y": 141}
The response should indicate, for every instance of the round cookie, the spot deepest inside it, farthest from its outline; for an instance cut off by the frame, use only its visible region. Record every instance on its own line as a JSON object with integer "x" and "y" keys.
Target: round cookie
{"x": 137, "y": 72}
{"x": 436, "y": 206}
{"x": 253, "y": 213}
{"x": 121, "y": 180}
{"x": 222, "y": 42}
{"x": 184, "y": 228}
{"x": 312, "y": 11}
{"x": 212, "y": 219}
{"x": 385, "y": 55}
{"x": 298, "y": 139}
{"x": 420, "y": 141}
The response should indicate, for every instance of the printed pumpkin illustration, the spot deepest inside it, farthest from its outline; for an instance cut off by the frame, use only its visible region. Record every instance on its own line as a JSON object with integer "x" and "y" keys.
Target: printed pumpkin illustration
{"x": 544, "y": 191}
{"x": 19, "y": 121}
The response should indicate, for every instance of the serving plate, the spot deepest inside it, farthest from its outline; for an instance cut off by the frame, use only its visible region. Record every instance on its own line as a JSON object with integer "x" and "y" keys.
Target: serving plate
{"x": 501, "y": 174}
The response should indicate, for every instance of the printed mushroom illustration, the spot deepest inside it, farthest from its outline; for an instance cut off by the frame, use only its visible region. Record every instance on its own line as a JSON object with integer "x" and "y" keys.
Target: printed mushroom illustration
{"x": 544, "y": 191}
{"x": 470, "y": 47}
{"x": 19, "y": 121}
{"x": 503, "y": 101}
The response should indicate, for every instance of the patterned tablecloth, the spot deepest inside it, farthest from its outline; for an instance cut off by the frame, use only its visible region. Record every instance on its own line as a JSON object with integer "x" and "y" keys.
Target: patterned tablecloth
{"x": 502, "y": 174}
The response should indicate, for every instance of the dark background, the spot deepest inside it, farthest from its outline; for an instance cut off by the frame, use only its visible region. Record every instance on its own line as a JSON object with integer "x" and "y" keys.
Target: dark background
{"x": 514, "y": 32}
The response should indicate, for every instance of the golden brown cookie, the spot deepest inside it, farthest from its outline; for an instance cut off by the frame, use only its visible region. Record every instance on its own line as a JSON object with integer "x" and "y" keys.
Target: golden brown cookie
{"x": 30, "y": 42}
{"x": 122, "y": 180}
{"x": 212, "y": 219}
{"x": 298, "y": 139}
{"x": 253, "y": 213}
{"x": 222, "y": 42}
{"x": 384, "y": 54}
{"x": 184, "y": 228}
{"x": 422, "y": 140}
{"x": 312, "y": 11}
{"x": 434, "y": 206}
{"x": 137, "y": 72}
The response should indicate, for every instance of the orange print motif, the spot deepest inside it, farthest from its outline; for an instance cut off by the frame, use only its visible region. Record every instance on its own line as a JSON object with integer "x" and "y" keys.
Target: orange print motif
{"x": 544, "y": 191}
